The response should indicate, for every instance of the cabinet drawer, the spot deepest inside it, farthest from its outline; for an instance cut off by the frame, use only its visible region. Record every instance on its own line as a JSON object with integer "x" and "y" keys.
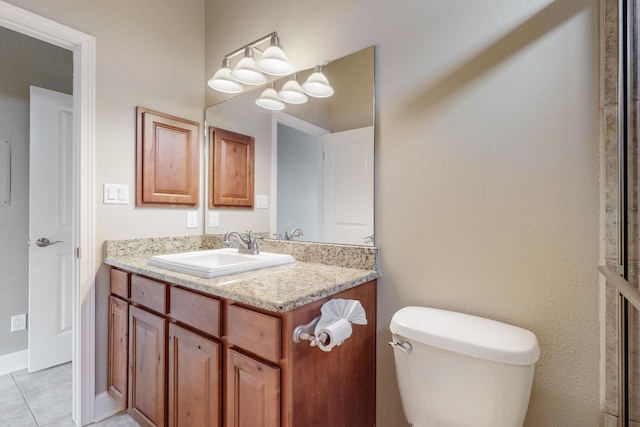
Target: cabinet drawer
{"x": 195, "y": 310}
{"x": 254, "y": 332}
{"x": 149, "y": 293}
{"x": 120, "y": 283}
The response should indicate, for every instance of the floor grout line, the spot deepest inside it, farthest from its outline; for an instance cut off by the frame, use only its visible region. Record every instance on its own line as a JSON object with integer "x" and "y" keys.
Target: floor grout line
{"x": 24, "y": 399}
{"x": 18, "y": 377}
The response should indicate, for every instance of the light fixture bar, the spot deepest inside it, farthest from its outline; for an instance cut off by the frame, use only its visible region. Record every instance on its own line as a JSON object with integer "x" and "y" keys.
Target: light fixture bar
{"x": 253, "y": 44}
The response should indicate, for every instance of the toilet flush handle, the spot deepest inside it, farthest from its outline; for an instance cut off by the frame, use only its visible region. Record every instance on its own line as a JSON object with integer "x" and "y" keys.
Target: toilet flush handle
{"x": 404, "y": 347}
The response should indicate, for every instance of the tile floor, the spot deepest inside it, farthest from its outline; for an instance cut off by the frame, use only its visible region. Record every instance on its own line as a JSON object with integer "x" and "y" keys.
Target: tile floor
{"x": 43, "y": 399}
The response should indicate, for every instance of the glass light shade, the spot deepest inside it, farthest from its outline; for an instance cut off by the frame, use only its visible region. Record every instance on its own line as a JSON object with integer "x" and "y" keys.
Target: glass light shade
{"x": 246, "y": 71}
{"x": 317, "y": 85}
{"x": 269, "y": 100}
{"x": 222, "y": 81}
{"x": 292, "y": 93}
{"x": 274, "y": 62}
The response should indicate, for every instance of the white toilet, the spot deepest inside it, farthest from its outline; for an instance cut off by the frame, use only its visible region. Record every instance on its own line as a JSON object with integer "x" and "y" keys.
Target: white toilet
{"x": 458, "y": 370}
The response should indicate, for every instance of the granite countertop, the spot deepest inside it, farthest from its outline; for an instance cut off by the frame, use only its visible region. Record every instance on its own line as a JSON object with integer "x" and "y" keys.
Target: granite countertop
{"x": 320, "y": 270}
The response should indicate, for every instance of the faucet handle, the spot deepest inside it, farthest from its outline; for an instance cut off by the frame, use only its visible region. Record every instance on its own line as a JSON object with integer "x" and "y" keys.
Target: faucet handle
{"x": 254, "y": 242}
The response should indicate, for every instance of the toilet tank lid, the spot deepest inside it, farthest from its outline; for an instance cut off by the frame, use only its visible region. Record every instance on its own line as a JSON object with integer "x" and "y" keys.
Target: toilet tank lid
{"x": 467, "y": 334}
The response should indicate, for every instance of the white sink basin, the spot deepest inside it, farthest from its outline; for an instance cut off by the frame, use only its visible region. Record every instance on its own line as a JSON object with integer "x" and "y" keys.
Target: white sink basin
{"x": 218, "y": 262}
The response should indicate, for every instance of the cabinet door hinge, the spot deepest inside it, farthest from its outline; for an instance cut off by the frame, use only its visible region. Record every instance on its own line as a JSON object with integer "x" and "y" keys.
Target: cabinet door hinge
{"x": 77, "y": 252}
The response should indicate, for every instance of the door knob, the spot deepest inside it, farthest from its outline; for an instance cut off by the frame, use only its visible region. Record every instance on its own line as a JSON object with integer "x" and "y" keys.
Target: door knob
{"x": 43, "y": 242}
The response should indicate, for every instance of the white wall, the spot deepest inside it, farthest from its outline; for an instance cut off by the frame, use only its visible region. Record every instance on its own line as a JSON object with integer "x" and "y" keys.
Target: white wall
{"x": 487, "y": 166}
{"x": 32, "y": 63}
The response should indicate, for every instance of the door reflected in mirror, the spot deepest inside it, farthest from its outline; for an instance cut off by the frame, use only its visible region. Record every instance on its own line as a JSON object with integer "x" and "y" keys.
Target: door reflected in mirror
{"x": 314, "y": 162}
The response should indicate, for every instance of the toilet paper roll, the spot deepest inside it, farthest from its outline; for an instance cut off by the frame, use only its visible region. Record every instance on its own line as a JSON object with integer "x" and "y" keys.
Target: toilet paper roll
{"x": 335, "y": 309}
{"x": 337, "y": 332}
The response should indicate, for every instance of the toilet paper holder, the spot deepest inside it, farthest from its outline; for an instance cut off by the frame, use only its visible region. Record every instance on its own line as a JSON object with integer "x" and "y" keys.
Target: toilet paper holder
{"x": 305, "y": 333}
{"x": 333, "y": 326}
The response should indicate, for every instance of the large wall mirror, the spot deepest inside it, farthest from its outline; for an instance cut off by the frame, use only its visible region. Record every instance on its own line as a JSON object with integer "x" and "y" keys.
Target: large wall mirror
{"x": 314, "y": 162}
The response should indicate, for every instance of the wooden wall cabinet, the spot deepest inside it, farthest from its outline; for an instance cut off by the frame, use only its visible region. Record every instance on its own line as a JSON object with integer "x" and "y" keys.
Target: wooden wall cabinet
{"x": 167, "y": 160}
{"x": 231, "y": 165}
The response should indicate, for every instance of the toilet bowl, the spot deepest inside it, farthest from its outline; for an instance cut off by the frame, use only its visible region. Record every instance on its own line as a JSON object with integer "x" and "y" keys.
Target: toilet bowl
{"x": 458, "y": 370}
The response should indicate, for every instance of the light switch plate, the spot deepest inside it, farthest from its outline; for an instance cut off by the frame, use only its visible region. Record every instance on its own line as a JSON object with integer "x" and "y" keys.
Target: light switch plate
{"x": 214, "y": 219}
{"x": 192, "y": 219}
{"x": 116, "y": 194}
{"x": 262, "y": 201}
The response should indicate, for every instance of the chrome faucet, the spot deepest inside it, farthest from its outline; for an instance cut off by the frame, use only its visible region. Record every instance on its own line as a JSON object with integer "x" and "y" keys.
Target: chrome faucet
{"x": 251, "y": 243}
{"x": 296, "y": 232}
{"x": 285, "y": 235}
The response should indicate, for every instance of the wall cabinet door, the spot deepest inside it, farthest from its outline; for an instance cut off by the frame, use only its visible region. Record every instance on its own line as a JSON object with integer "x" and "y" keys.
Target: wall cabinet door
{"x": 252, "y": 392}
{"x": 147, "y": 334}
{"x": 231, "y": 166}
{"x": 118, "y": 350}
{"x": 168, "y": 160}
{"x": 194, "y": 379}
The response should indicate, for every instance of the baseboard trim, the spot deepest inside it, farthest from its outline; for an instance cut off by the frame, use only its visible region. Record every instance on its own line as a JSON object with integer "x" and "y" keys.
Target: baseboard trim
{"x": 13, "y": 362}
{"x": 105, "y": 406}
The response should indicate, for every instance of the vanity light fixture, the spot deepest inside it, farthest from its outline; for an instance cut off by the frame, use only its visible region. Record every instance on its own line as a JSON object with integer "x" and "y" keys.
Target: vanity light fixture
{"x": 317, "y": 84}
{"x": 270, "y": 99}
{"x": 248, "y": 71}
{"x": 222, "y": 80}
{"x": 274, "y": 61}
{"x": 292, "y": 92}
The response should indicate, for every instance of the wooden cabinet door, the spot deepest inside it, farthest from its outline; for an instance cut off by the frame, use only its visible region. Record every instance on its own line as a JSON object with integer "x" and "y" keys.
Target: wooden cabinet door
{"x": 147, "y": 341}
{"x": 231, "y": 169}
{"x": 168, "y": 160}
{"x": 118, "y": 350}
{"x": 252, "y": 392}
{"x": 194, "y": 379}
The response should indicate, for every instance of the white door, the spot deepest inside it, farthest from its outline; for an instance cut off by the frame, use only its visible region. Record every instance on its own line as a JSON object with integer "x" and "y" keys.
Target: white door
{"x": 50, "y": 217}
{"x": 348, "y": 187}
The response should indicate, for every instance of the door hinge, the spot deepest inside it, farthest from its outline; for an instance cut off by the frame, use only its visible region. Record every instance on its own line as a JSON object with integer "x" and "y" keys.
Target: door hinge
{"x": 77, "y": 252}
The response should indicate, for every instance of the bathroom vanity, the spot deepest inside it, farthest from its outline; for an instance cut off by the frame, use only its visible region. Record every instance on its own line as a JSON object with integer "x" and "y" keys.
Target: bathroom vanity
{"x": 189, "y": 351}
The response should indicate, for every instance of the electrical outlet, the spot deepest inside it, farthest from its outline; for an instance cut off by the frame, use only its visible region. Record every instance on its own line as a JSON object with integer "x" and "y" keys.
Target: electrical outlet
{"x": 18, "y": 322}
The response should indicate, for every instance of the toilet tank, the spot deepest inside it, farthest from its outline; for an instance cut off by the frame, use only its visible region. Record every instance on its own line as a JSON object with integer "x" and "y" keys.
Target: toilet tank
{"x": 462, "y": 370}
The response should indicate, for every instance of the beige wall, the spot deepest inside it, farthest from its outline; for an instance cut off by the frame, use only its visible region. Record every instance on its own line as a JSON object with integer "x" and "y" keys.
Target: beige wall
{"x": 487, "y": 166}
{"x": 487, "y": 153}
{"x": 151, "y": 54}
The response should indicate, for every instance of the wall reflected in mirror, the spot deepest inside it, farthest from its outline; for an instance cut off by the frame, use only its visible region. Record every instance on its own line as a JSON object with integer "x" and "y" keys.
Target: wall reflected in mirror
{"x": 314, "y": 162}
